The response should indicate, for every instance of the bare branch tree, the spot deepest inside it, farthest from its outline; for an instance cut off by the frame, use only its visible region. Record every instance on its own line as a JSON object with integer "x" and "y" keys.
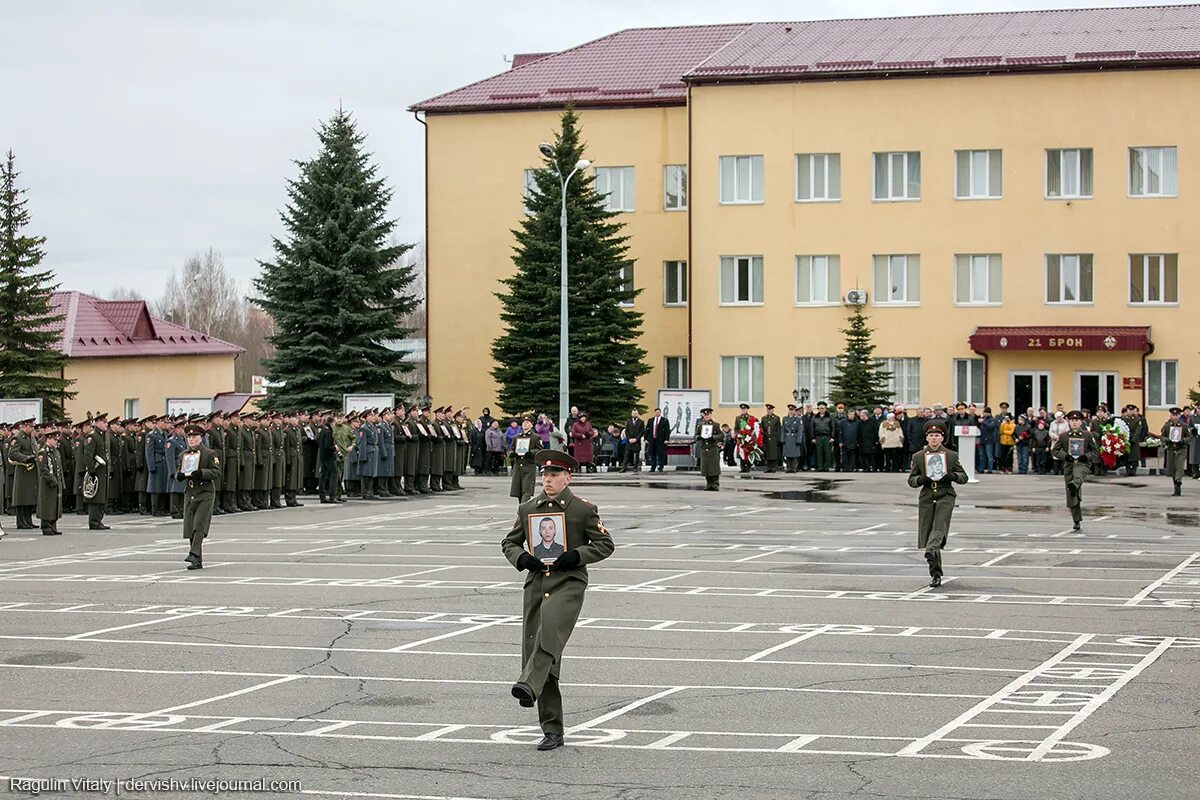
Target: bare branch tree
{"x": 122, "y": 293}
{"x": 203, "y": 296}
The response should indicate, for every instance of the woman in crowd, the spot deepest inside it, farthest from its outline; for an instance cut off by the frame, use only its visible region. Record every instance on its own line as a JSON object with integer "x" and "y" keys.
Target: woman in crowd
{"x": 1039, "y": 444}
{"x": 1021, "y": 435}
{"x": 1004, "y": 455}
{"x": 543, "y": 428}
{"x": 494, "y": 441}
{"x": 891, "y": 440}
{"x": 582, "y": 434}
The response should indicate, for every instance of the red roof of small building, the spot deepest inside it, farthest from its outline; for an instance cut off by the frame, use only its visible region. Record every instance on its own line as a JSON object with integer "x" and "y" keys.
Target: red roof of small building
{"x": 652, "y": 66}
{"x": 95, "y": 328}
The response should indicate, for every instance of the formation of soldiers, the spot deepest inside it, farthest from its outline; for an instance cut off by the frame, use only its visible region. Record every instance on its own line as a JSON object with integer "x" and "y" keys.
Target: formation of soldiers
{"x": 100, "y": 466}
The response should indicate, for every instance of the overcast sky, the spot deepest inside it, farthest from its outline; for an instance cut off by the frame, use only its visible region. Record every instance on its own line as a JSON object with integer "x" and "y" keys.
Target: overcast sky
{"x": 147, "y": 131}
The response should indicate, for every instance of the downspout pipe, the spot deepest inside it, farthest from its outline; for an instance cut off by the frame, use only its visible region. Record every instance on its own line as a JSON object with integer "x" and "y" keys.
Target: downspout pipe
{"x": 417, "y": 117}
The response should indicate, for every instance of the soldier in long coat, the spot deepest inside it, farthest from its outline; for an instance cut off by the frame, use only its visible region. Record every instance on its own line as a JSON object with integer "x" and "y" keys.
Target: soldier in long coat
{"x": 1176, "y": 436}
{"x": 792, "y": 439}
{"x": 50, "y": 481}
{"x": 525, "y": 446}
{"x": 22, "y": 454}
{"x": 935, "y": 470}
{"x": 553, "y": 594}
{"x": 412, "y": 452}
{"x": 1077, "y": 450}
{"x": 7, "y": 469}
{"x": 293, "y": 451}
{"x": 215, "y": 438}
{"x": 437, "y": 452}
{"x": 366, "y": 451}
{"x": 263, "y": 463}
{"x": 772, "y": 445}
{"x": 140, "y": 475}
{"x": 248, "y": 466}
{"x": 116, "y": 473}
{"x": 157, "y": 468}
{"x": 711, "y": 439}
{"x": 67, "y": 456}
{"x": 462, "y": 447}
{"x": 231, "y": 464}
{"x": 96, "y": 463}
{"x": 385, "y": 433}
{"x": 176, "y": 444}
{"x": 77, "y": 468}
{"x": 200, "y": 493}
{"x": 424, "y": 451}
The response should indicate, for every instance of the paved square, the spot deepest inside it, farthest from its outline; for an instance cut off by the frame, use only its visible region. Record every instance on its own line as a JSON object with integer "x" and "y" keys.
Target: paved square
{"x": 775, "y": 639}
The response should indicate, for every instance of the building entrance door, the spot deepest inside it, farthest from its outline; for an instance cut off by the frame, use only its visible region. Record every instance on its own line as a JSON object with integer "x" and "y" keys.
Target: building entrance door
{"x": 1094, "y": 388}
{"x": 1028, "y": 389}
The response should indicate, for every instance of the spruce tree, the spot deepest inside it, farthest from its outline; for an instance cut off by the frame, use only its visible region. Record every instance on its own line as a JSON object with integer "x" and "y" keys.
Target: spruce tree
{"x": 30, "y": 359}
{"x": 605, "y": 359}
{"x": 336, "y": 288}
{"x": 862, "y": 382}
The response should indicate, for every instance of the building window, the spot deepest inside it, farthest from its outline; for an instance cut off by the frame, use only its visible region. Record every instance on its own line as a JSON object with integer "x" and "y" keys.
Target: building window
{"x": 615, "y": 185}
{"x": 977, "y": 279}
{"x": 741, "y": 280}
{"x": 813, "y": 374}
{"x": 1153, "y": 278}
{"x": 898, "y": 176}
{"x": 818, "y": 280}
{"x": 675, "y": 187}
{"x": 677, "y": 373}
{"x": 1069, "y": 278}
{"x": 1162, "y": 384}
{"x": 897, "y": 279}
{"x": 741, "y": 179}
{"x": 529, "y": 189}
{"x": 741, "y": 380}
{"x": 904, "y": 385}
{"x": 818, "y": 177}
{"x": 977, "y": 174}
{"x": 675, "y": 290}
{"x": 1152, "y": 172}
{"x": 968, "y": 381}
{"x": 133, "y": 407}
{"x": 626, "y": 289}
{"x": 1069, "y": 173}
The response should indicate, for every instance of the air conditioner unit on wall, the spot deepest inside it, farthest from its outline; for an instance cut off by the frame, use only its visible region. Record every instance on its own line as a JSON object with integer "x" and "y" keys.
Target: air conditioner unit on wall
{"x": 856, "y": 297}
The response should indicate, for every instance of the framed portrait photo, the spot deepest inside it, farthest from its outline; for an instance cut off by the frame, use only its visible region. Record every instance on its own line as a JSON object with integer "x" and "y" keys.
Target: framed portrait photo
{"x": 546, "y": 536}
{"x": 1075, "y": 447}
{"x": 1175, "y": 434}
{"x": 706, "y": 431}
{"x": 521, "y": 445}
{"x": 189, "y": 463}
{"x": 935, "y": 466}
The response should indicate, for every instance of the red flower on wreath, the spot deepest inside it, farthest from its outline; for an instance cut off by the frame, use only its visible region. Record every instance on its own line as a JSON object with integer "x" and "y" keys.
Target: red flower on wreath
{"x": 747, "y": 438}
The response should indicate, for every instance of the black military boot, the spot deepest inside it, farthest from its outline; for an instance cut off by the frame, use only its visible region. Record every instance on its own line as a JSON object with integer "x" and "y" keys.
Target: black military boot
{"x": 1178, "y": 489}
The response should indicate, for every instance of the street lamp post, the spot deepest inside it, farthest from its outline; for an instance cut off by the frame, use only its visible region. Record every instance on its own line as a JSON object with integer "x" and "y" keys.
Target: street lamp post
{"x": 564, "y": 391}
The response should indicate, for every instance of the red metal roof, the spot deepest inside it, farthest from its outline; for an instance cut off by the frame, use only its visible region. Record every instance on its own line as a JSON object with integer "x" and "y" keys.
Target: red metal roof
{"x": 639, "y": 66}
{"x": 1052, "y": 338}
{"x": 95, "y": 328}
{"x": 649, "y": 66}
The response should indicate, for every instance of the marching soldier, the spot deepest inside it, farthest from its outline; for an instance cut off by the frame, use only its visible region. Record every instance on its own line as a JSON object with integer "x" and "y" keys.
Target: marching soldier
{"x": 201, "y": 480}
{"x": 95, "y": 460}
{"x": 50, "y": 481}
{"x": 1176, "y": 437}
{"x": 771, "y": 427}
{"x": 1077, "y": 449}
{"x": 935, "y": 470}
{"x": 708, "y": 434}
{"x": 553, "y": 594}
{"x": 524, "y": 461}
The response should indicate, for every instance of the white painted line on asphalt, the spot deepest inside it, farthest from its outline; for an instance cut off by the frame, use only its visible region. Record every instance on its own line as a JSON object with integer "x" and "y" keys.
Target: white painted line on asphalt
{"x": 168, "y": 618}
{"x": 452, "y": 634}
{"x": 625, "y": 709}
{"x": 1144, "y": 593}
{"x": 761, "y": 654}
{"x": 645, "y": 584}
{"x": 993, "y": 562}
{"x": 869, "y": 528}
{"x": 759, "y": 555}
{"x": 226, "y": 696}
{"x": 422, "y": 572}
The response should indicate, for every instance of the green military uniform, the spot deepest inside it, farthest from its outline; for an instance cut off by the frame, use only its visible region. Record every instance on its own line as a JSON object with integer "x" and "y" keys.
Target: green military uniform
{"x": 935, "y": 504}
{"x": 1077, "y": 450}
{"x": 262, "y": 466}
{"x": 231, "y": 468}
{"x": 524, "y": 466}
{"x": 293, "y": 454}
{"x": 141, "y": 475}
{"x": 772, "y": 444}
{"x": 437, "y": 455}
{"x": 199, "y": 496}
{"x": 412, "y": 448}
{"x": 710, "y": 450}
{"x": 343, "y": 438}
{"x": 216, "y": 443}
{"x": 22, "y": 454}
{"x": 248, "y": 456}
{"x": 553, "y": 598}
{"x": 96, "y": 465}
{"x": 1176, "y": 438}
{"x": 278, "y": 464}
{"x": 50, "y": 481}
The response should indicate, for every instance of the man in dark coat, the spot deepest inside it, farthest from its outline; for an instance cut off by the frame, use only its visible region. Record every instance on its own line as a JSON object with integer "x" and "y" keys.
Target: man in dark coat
{"x": 711, "y": 439}
{"x": 96, "y": 463}
{"x": 22, "y": 454}
{"x": 868, "y": 440}
{"x": 935, "y": 470}
{"x": 293, "y": 455}
{"x": 658, "y": 433}
{"x": 792, "y": 439}
{"x": 847, "y": 433}
{"x": 823, "y": 433}
{"x": 157, "y": 468}
{"x": 329, "y": 471}
{"x": 553, "y": 592}
{"x": 231, "y": 465}
{"x": 248, "y": 460}
{"x": 199, "y": 469}
{"x": 50, "y": 480}
{"x": 635, "y": 430}
{"x": 772, "y": 438}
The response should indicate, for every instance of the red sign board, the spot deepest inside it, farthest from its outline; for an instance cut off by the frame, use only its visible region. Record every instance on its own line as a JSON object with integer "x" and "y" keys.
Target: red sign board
{"x": 1131, "y": 383}
{"x": 1061, "y": 339}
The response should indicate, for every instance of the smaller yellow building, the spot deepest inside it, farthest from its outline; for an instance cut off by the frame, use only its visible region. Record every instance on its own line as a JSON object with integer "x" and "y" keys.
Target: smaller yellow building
{"x": 127, "y": 363}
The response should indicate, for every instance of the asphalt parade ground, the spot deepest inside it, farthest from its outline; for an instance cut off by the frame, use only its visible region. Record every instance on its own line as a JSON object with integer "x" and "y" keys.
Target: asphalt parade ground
{"x": 776, "y": 639}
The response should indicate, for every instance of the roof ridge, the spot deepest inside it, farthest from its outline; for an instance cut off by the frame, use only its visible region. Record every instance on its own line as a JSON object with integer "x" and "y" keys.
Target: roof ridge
{"x": 1021, "y": 11}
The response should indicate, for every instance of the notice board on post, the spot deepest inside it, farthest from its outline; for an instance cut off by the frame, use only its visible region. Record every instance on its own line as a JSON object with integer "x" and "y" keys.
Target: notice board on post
{"x": 361, "y": 402}
{"x": 17, "y": 409}
{"x": 681, "y": 408}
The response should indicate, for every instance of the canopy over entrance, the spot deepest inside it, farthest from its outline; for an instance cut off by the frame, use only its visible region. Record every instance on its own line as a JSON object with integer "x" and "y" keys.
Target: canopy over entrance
{"x": 1069, "y": 338}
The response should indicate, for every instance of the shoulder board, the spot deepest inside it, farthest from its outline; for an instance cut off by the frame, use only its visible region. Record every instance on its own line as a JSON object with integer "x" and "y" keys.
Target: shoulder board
{"x": 587, "y": 503}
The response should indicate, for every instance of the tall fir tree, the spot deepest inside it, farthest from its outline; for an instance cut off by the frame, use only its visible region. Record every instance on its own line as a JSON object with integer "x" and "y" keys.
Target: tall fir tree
{"x": 605, "y": 359}
{"x": 31, "y": 362}
{"x": 336, "y": 288}
{"x": 861, "y": 381}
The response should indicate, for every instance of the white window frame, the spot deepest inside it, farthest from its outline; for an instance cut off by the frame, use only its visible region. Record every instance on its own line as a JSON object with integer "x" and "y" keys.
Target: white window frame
{"x": 753, "y": 367}
{"x": 991, "y": 264}
{"x": 614, "y": 201}
{"x": 1078, "y": 266}
{"x": 979, "y": 180}
{"x": 734, "y": 263}
{"x": 681, "y": 284}
{"x": 1076, "y": 154}
{"x": 903, "y": 161}
{"x": 967, "y": 388}
{"x": 1160, "y": 368}
{"x": 133, "y": 407}
{"x": 814, "y": 265}
{"x": 912, "y": 288}
{"x": 824, "y": 177}
{"x": 1164, "y": 264}
{"x": 908, "y": 370}
{"x": 820, "y": 370}
{"x": 529, "y": 186}
{"x": 1167, "y": 159}
{"x": 627, "y": 284}
{"x": 675, "y": 372}
{"x": 752, "y": 163}
{"x": 676, "y": 174}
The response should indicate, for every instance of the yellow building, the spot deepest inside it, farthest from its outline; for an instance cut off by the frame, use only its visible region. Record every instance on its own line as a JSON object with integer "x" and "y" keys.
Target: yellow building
{"x": 1010, "y": 194}
{"x": 126, "y": 363}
